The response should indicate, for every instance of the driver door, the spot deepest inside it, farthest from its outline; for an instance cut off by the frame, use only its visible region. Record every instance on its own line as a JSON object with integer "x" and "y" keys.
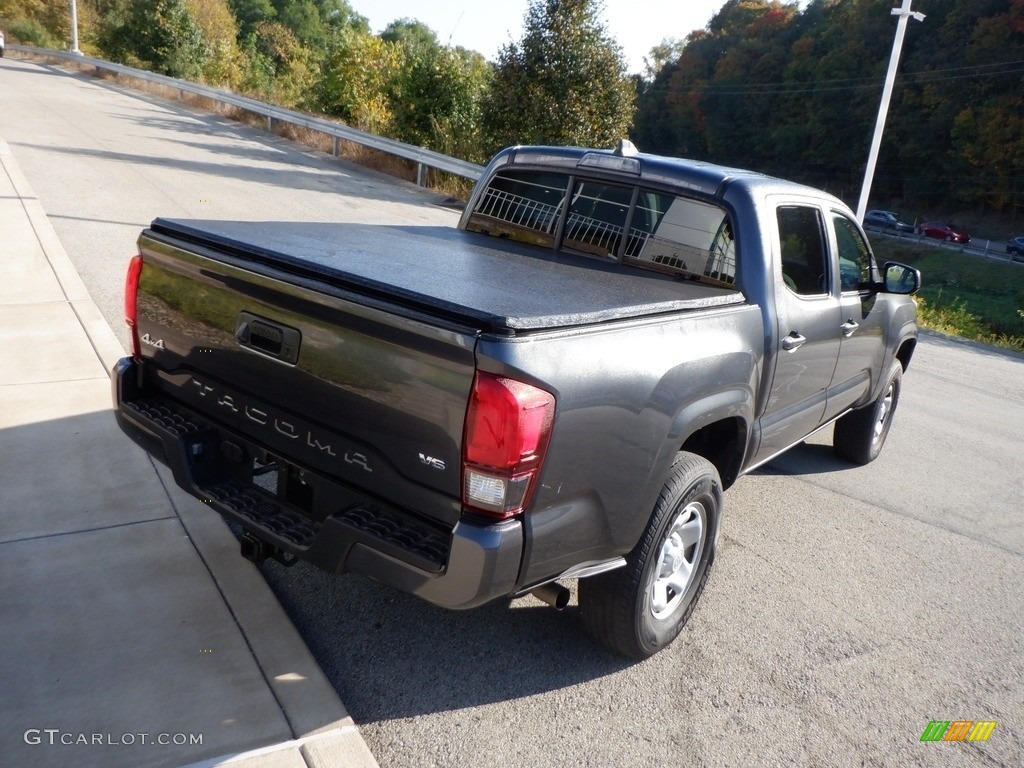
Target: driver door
{"x": 863, "y": 320}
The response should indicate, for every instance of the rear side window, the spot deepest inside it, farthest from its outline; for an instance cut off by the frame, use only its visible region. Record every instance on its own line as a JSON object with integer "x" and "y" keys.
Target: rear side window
{"x": 682, "y": 235}
{"x": 804, "y": 256}
{"x": 644, "y": 227}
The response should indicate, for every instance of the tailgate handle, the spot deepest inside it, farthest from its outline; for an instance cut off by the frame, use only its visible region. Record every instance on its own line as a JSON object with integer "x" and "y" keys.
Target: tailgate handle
{"x": 267, "y": 337}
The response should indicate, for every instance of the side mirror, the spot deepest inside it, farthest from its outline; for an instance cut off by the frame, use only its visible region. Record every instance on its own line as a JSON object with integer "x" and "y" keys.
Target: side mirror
{"x": 900, "y": 278}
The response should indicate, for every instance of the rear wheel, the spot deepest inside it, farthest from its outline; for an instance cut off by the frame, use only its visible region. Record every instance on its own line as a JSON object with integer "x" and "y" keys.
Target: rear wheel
{"x": 638, "y": 610}
{"x": 860, "y": 435}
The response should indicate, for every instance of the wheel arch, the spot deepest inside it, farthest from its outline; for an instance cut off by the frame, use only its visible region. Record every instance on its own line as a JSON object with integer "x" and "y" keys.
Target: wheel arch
{"x": 906, "y": 352}
{"x": 723, "y": 443}
{"x": 717, "y": 427}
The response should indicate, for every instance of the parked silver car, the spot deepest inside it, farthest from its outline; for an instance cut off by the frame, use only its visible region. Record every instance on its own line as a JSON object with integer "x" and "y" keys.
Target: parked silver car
{"x": 886, "y": 220}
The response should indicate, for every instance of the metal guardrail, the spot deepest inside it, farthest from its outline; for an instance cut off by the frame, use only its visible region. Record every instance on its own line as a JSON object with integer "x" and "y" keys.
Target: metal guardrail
{"x": 990, "y": 250}
{"x": 424, "y": 158}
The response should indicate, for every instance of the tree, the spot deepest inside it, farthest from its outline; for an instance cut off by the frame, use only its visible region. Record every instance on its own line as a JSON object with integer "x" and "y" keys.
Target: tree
{"x": 249, "y": 13}
{"x": 565, "y": 82}
{"x": 411, "y": 34}
{"x": 302, "y": 17}
{"x": 666, "y": 52}
{"x": 281, "y": 70}
{"x": 37, "y": 22}
{"x": 458, "y": 131}
{"x": 222, "y": 56}
{"x": 987, "y": 151}
{"x": 436, "y": 99}
{"x": 338, "y": 14}
{"x": 795, "y": 93}
{"x": 358, "y": 72}
{"x": 160, "y": 35}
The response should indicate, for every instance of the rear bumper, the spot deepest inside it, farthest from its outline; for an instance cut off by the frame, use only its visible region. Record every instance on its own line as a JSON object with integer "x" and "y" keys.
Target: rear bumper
{"x": 315, "y": 518}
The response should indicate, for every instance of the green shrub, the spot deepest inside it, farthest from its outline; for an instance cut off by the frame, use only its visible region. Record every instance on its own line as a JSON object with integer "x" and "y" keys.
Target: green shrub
{"x": 31, "y": 32}
{"x": 956, "y": 319}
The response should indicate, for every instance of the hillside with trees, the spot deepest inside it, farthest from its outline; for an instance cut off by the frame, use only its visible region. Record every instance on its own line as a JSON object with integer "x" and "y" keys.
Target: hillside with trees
{"x": 766, "y": 85}
{"x": 795, "y": 93}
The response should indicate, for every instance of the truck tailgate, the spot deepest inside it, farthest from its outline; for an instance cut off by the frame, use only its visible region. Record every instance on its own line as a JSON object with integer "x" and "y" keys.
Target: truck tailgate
{"x": 333, "y": 394}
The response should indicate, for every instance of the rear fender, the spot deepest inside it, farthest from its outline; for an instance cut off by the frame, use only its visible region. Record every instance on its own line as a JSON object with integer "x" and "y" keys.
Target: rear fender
{"x": 731, "y": 406}
{"x": 732, "y": 409}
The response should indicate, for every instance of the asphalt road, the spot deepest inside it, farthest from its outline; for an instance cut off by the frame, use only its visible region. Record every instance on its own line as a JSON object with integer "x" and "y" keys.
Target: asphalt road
{"x": 848, "y": 608}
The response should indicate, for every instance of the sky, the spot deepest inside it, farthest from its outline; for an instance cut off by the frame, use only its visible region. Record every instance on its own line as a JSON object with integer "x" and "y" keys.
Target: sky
{"x": 636, "y": 25}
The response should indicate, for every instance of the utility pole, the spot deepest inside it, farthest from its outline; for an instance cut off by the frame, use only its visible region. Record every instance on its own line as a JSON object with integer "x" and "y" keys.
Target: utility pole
{"x": 883, "y": 109}
{"x": 74, "y": 27}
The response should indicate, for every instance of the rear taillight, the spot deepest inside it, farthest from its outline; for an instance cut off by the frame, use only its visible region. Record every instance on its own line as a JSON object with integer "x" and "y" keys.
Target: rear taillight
{"x": 507, "y": 428}
{"x": 131, "y": 307}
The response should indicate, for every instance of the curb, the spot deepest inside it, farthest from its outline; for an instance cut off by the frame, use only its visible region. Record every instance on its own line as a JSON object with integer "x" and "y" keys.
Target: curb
{"x": 324, "y": 733}
{"x": 108, "y": 349}
{"x": 339, "y": 747}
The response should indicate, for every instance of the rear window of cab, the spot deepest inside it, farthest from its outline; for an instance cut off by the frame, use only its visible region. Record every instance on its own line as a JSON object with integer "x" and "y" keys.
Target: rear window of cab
{"x": 625, "y": 223}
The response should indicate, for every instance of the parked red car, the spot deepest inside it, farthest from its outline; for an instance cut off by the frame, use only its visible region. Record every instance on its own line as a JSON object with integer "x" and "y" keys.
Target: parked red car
{"x": 942, "y": 231}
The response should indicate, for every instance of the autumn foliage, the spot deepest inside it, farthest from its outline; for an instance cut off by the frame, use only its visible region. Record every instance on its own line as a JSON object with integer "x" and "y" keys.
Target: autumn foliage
{"x": 796, "y": 93}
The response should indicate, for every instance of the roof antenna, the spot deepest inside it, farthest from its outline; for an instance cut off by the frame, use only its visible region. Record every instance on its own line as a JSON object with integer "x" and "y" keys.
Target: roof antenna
{"x": 626, "y": 148}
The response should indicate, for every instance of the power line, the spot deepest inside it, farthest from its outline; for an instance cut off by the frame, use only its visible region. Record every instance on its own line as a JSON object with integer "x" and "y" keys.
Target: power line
{"x": 878, "y": 79}
{"x": 922, "y": 77}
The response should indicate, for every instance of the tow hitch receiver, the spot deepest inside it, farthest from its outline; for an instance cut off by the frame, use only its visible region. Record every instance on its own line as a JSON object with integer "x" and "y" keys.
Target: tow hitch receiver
{"x": 257, "y": 550}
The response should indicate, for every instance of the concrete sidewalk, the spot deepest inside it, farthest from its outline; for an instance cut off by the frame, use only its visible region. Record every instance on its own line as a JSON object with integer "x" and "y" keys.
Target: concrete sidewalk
{"x": 132, "y": 632}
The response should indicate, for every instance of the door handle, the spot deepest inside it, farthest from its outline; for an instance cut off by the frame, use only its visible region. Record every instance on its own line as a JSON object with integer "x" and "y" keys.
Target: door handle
{"x": 849, "y": 328}
{"x": 793, "y": 342}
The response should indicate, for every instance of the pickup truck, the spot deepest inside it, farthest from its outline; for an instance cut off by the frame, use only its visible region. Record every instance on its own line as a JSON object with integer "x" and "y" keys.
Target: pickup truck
{"x": 560, "y": 388}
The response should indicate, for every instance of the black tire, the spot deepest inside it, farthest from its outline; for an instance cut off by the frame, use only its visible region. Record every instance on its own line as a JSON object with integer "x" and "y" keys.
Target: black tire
{"x": 860, "y": 435}
{"x": 619, "y": 607}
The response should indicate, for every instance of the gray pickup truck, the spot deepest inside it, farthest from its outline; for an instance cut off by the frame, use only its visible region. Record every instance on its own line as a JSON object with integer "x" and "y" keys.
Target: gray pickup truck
{"x": 560, "y": 388}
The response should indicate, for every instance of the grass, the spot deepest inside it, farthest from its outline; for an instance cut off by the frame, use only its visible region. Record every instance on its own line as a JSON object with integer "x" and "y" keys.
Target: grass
{"x": 969, "y": 296}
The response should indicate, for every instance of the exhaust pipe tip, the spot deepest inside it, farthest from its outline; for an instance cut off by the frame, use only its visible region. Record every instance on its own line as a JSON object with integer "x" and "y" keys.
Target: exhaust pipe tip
{"x": 552, "y": 593}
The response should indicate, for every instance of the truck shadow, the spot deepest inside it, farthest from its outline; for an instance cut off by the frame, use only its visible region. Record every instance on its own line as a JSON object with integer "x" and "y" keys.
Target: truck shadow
{"x": 391, "y": 655}
{"x": 805, "y": 459}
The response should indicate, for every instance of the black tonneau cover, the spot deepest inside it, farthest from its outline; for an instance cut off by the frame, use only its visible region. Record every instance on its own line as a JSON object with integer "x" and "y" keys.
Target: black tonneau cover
{"x": 497, "y": 285}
